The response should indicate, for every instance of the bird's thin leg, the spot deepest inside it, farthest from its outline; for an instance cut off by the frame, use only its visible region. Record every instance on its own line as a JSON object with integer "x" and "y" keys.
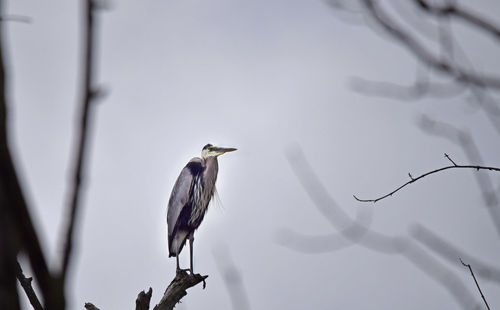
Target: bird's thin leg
{"x": 191, "y": 239}
{"x": 177, "y": 257}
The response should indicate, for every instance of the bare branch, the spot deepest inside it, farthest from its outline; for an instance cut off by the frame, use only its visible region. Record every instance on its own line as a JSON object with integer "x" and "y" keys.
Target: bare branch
{"x": 177, "y": 289}
{"x": 477, "y": 284}
{"x": 477, "y": 168}
{"x": 28, "y": 289}
{"x": 453, "y": 10}
{"x": 85, "y": 114}
{"x": 424, "y": 54}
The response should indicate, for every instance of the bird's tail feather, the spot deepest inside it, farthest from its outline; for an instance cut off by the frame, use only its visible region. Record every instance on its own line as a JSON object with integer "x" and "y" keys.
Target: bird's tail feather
{"x": 177, "y": 242}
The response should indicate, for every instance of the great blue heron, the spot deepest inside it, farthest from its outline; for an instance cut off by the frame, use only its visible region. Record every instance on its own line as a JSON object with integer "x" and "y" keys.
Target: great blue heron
{"x": 190, "y": 197}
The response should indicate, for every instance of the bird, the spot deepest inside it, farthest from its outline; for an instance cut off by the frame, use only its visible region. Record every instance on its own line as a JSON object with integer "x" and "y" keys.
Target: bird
{"x": 189, "y": 200}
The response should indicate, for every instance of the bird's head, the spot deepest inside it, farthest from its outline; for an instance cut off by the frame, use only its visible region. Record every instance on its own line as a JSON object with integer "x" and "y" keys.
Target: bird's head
{"x": 210, "y": 150}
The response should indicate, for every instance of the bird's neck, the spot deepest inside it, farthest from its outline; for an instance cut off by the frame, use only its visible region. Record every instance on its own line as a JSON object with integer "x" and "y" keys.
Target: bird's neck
{"x": 211, "y": 163}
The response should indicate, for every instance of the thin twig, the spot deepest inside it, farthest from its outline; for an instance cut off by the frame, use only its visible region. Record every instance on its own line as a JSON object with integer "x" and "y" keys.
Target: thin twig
{"x": 449, "y": 158}
{"x": 86, "y": 105}
{"x": 477, "y": 284}
{"x": 448, "y": 251}
{"x": 28, "y": 289}
{"x": 426, "y": 174}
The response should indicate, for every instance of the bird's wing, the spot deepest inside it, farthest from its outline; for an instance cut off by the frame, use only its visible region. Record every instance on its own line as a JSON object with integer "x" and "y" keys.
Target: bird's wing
{"x": 180, "y": 196}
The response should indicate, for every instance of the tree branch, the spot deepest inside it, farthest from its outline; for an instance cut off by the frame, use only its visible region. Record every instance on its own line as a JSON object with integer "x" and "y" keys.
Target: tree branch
{"x": 477, "y": 284}
{"x": 424, "y": 54}
{"x": 28, "y": 289}
{"x": 88, "y": 95}
{"x": 454, "y": 10}
{"x": 143, "y": 299}
{"x": 177, "y": 289}
{"x": 426, "y": 174}
{"x": 13, "y": 203}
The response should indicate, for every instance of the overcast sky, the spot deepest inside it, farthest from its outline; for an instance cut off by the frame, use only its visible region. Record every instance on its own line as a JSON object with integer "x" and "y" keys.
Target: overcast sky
{"x": 266, "y": 77}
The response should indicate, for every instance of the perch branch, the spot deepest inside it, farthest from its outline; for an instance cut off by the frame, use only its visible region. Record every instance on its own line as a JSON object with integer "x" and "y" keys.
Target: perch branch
{"x": 177, "y": 289}
{"x": 454, "y": 166}
{"x": 28, "y": 289}
{"x": 477, "y": 284}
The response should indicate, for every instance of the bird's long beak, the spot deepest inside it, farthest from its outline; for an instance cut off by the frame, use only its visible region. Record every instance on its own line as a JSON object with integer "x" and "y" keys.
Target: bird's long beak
{"x": 222, "y": 150}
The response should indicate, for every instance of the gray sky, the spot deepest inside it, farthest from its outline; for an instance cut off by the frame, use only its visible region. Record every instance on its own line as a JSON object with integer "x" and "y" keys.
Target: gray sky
{"x": 262, "y": 76}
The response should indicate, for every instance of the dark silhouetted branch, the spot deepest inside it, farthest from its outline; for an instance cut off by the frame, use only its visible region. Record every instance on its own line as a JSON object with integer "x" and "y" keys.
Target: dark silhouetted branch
{"x": 177, "y": 289}
{"x": 13, "y": 206}
{"x": 453, "y": 10}
{"x": 477, "y": 284}
{"x": 477, "y": 168}
{"x": 424, "y": 54}
{"x": 90, "y": 306}
{"x": 28, "y": 289}
{"x": 88, "y": 95}
{"x": 143, "y": 299}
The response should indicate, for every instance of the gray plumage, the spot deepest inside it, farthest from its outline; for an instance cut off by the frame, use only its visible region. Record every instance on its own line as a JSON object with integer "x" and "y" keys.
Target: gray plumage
{"x": 190, "y": 198}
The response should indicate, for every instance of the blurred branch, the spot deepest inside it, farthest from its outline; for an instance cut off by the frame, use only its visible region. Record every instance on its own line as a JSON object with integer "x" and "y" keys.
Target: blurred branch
{"x": 477, "y": 284}
{"x": 13, "y": 206}
{"x": 413, "y": 180}
{"x": 454, "y": 10}
{"x": 88, "y": 96}
{"x": 16, "y": 18}
{"x": 233, "y": 279}
{"x": 177, "y": 289}
{"x": 28, "y": 289}
{"x": 420, "y": 88}
{"x": 384, "y": 20}
{"x": 448, "y": 251}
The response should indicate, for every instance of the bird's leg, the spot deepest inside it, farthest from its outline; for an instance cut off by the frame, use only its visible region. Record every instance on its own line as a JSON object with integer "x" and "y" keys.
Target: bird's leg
{"x": 191, "y": 239}
{"x": 177, "y": 258}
